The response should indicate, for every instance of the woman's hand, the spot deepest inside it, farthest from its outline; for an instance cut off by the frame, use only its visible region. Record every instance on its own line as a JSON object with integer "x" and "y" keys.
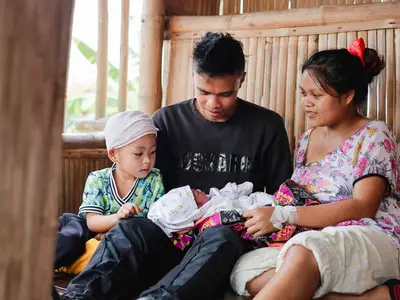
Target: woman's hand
{"x": 258, "y": 221}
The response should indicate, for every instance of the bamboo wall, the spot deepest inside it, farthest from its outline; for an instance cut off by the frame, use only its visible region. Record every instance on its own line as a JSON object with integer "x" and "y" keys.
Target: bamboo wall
{"x": 274, "y": 58}
{"x": 81, "y": 155}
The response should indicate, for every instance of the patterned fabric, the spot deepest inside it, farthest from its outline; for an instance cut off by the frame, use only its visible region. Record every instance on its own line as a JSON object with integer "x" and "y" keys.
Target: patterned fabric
{"x": 289, "y": 193}
{"x": 100, "y": 194}
{"x": 371, "y": 151}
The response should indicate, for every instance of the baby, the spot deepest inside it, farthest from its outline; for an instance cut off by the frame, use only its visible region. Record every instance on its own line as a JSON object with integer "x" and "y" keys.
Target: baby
{"x": 180, "y": 208}
{"x": 184, "y": 212}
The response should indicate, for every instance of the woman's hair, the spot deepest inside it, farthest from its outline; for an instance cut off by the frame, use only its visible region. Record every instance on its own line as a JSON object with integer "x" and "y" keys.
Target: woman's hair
{"x": 340, "y": 71}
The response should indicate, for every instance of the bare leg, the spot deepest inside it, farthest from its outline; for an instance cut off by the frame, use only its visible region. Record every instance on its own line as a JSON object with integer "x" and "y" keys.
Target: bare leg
{"x": 378, "y": 293}
{"x": 255, "y": 285}
{"x": 299, "y": 272}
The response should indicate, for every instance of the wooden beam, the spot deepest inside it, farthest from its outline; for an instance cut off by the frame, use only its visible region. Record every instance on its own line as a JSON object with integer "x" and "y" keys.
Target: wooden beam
{"x": 340, "y": 28}
{"x": 152, "y": 34}
{"x": 102, "y": 60}
{"x": 303, "y": 17}
{"x": 124, "y": 54}
{"x": 34, "y": 50}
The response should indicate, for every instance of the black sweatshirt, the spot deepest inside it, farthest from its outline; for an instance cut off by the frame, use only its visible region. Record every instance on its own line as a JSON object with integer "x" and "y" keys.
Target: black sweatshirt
{"x": 252, "y": 145}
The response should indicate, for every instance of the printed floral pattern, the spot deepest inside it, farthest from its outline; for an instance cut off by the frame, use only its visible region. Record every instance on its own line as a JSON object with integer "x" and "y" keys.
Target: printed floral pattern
{"x": 372, "y": 150}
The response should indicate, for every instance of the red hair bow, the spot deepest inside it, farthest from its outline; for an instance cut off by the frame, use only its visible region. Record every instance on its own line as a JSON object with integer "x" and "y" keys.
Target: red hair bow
{"x": 357, "y": 48}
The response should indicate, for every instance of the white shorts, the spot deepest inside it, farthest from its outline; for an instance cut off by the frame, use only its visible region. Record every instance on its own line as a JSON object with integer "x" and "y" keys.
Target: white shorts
{"x": 351, "y": 259}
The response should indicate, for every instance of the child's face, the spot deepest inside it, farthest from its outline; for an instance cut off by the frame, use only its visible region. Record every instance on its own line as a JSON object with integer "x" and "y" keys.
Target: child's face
{"x": 137, "y": 158}
{"x": 200, "y": 197}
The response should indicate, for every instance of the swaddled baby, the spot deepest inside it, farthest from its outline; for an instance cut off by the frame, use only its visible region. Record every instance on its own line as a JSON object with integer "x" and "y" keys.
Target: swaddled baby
{"x": 180, "y": 208}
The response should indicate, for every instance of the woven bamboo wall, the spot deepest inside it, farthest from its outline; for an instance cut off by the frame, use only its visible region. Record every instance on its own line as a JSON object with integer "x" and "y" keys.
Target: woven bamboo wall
{"x": 82, "y": 154}
{"x": 274, "y": 58}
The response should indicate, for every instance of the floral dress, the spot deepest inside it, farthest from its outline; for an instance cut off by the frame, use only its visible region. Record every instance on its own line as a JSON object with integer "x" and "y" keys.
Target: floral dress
{"x": 371, "y": 151}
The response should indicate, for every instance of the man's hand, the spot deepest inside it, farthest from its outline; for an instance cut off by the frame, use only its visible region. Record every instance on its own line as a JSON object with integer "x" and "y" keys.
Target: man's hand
{"x": 258, "y": 221}
{"x": 127, "y": 210}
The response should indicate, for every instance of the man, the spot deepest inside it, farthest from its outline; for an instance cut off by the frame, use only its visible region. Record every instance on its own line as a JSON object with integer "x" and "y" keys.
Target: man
{"x": 204, "y": 142}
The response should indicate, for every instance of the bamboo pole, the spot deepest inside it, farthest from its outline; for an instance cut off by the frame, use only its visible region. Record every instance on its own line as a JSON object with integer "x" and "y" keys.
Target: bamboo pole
{"x": 267, "y": 73}
{"x": 364, "y": 107}
{"x": 281, "y": 19}
{"x": 381, "y": 35}
{"x": 259, "y": 71}
{"x": 332, "y": 41}
{"x": 251, "y": 69}
{"x": 124, "y": 54}
{"x": 274, "y": 72}
{"x": 302, "y": 54}
{"x": 152, "y": 35}
{"x": 102, "y": 60}
{"x": 291, "y": 89}
{"x": 322, "y": 42}
{"x": 34, "y": 50}
{"x": 397, "y": 84}
{"x": 372, "y": 109}
{"x": 282, "y": 76}
{"x": 340, "y": 28}
{"x": 390, "y": 79}
{"x": 243, "y": 91}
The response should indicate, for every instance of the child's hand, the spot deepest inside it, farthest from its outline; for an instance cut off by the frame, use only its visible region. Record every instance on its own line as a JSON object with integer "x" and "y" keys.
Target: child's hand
{"x": 127, "y": 210}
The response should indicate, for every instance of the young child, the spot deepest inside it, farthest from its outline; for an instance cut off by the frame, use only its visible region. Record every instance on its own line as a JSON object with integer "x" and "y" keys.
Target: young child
{"x": 127, "y": 188}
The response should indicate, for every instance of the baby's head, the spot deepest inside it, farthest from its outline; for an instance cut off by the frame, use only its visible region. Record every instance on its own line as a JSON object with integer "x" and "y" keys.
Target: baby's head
{"x": 131, "y": 142}
{"x": 200, "y": 197}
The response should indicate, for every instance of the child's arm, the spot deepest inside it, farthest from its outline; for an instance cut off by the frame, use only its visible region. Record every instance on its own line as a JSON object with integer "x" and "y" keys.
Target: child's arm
{"x": 101, "y": 223}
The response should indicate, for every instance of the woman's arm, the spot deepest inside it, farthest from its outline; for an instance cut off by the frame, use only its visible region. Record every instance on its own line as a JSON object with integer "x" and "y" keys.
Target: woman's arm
{"x": 367, "y": 196}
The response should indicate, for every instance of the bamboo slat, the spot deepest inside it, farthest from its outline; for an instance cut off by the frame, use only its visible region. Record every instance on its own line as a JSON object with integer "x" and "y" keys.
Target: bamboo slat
{"x": 267, "y": 72}
{"x": 124, "y": 54}
{"x": 34, "y": 50}
{"x": 322, "y": 42}
{"x": 364, "y": 107}
{"x": 390, "y": 77}
{"x": 351, "y": 36}
{"x": 166, "y": 63}
{"x": 274, "y": 72}
{"x": 102, "y": 60}
{"x": 176, "y": 90}
{"x": 332, "y": 41}
{"x": 342, "y": 40}
{"x": 290, "y": 93}
{"x": 189, "y": 81}
{"x": 251, "y": 69}
{"x": 372, "y": 97}
{"x": 259, "y": 82}
{"x": 302, "y": 54}
{"x": 381, "y": 78}
{"x": 282, "y": 76}
{"x": 243, "y": 91}
{"x": 397, "y": 83}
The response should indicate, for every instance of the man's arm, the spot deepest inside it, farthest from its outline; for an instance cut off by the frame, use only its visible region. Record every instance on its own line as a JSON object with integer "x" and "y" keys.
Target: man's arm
{"x": 279, "y": 166}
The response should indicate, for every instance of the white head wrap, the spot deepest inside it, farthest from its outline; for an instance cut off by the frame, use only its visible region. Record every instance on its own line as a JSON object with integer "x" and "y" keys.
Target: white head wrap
{"x": 126, "y": 127}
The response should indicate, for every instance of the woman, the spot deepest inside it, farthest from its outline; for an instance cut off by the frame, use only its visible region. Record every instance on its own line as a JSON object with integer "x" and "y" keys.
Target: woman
{"x": 351, "y": 165}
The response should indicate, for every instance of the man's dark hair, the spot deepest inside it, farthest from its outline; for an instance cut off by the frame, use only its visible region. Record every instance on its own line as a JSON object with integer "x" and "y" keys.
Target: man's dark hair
{"x": 218, "y": 54}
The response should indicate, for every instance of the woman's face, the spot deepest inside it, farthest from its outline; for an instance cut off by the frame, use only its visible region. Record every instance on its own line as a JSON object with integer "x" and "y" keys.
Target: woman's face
{"x": 321, "y": 108}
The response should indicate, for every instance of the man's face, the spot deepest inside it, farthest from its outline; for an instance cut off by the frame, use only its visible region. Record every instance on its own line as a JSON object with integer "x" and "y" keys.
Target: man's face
{"x": 216, "y": 97}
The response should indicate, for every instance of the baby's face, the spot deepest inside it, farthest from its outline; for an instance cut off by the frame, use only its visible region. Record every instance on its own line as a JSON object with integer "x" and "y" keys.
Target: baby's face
{"x": 200, "y": 197}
